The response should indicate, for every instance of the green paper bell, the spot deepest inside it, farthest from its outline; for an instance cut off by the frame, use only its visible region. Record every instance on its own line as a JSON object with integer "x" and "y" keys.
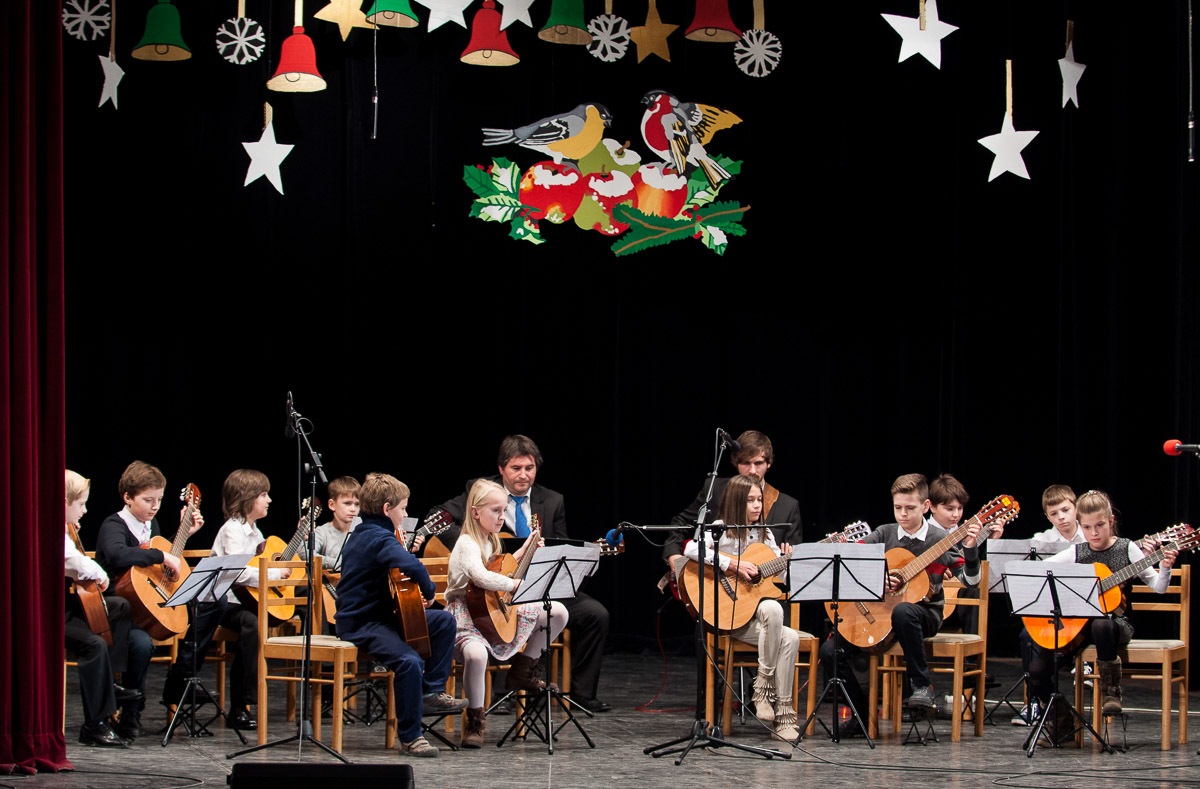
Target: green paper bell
{"x": 163, "y": 39}
{"x": 392, "y": 13}
{"x": 566, "y": 24}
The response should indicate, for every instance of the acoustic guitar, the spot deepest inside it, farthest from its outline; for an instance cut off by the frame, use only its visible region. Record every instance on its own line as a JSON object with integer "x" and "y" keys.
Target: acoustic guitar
{"x": 410, "y": 603}
{"x": 492, "y": 612}
{"x": 146, "y": 587}
{"x": 868, "y": 625}
{"x": 1041, "y": 629}
{"x": 739, "y": 597}
{"x": 436, "y": 523}
{"x": 275, "y": 548}
{"x": 95, "y": 610}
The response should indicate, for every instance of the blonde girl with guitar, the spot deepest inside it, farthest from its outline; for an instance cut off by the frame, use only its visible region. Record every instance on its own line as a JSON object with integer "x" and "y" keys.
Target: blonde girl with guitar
{"x": 1104, "y": 546}
{"x": 742, "y": 504}
{"x": 476, "y": 546}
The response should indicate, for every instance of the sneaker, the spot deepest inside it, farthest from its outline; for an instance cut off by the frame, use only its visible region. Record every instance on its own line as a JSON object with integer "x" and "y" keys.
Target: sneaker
{"x": 1028, "y": 716}
{"x": 419, "y": 747}
{"x": 442, "y": 704}
{"x": 1087, "y": 674}
{"x": 922, "y": 697}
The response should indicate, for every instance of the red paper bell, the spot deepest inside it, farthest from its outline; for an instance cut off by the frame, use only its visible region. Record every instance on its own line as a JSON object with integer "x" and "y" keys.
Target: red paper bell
{"x": 297, "y": 72}
{"x": 712, "y": 23}
{"x": 489, "y": 44}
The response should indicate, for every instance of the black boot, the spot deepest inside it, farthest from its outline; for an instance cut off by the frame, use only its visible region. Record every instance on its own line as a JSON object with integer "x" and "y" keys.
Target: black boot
{"x": 523, "y": 674}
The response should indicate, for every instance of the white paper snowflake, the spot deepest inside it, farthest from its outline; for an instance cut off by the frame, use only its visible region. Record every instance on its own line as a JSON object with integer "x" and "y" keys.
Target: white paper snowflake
{"x": 87, "y": 20}
{"x": 610, "y": 37}
{"x": 240, "y": 40}
{"x": 758, "y": 52}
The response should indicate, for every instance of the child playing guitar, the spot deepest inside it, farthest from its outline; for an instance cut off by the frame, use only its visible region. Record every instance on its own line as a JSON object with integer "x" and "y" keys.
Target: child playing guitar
{"x": 742, "y": 503}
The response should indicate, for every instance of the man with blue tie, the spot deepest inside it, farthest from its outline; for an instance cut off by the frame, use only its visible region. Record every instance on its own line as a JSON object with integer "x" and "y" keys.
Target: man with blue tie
{"x": 518, "y": 462}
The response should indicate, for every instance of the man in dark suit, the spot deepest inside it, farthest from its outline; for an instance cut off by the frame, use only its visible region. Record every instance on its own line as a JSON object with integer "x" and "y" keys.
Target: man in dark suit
{"x": 755, "y": 457}
{"x": 518, "y": 462}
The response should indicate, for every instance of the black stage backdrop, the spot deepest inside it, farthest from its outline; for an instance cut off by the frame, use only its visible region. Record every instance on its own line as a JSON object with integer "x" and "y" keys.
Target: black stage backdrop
{"x": 888, "y": 311}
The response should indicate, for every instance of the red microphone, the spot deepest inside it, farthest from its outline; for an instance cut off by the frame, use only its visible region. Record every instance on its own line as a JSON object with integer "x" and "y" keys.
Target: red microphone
{"x": 1174, "y": 446}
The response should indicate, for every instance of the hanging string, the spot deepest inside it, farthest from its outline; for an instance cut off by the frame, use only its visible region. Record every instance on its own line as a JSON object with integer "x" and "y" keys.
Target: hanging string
{"x": 375, "y": 86}
{"x": 112, "y": 32}
{"x": 1191, "y": 118}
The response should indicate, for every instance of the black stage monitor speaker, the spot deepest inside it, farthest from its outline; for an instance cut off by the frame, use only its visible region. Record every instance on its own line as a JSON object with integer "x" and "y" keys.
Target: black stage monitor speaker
{"x": 294, "y": 775}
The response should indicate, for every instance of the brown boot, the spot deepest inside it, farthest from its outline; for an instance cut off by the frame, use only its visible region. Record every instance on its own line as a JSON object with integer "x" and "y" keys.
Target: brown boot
{"x": 474, "y": 728}
{"x": 1110, "y": 685}
{"x": 523, "y": 674}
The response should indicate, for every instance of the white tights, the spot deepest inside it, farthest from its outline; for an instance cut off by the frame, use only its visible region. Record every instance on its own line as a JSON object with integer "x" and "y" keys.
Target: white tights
{"x": 474, "y": 655}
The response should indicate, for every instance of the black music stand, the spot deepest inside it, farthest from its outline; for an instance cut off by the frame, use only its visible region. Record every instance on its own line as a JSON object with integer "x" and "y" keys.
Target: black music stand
{"x": 1055, "y": 590}
{"x": 833, "y": 573}
{"x": 555, "y": 573}
{"x": 1000, "y": 553}
{"x": 211, "y": 579}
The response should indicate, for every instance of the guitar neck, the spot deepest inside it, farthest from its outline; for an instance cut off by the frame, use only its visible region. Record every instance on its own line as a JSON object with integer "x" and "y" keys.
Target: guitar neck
{"x": 181, "y": 535}
{"x": 1123, "y": 575}
{"x": 531, "y": 545}
{"x": 952, "y": 538}
{"x": 293, "y": 546}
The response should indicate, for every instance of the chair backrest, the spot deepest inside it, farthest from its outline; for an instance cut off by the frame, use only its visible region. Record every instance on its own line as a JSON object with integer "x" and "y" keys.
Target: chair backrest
{"x": 1177, "y": 599}
{"x": 980, "y": 602}
{"x": 438, "y": 568}
{"x": 285, "y": 587}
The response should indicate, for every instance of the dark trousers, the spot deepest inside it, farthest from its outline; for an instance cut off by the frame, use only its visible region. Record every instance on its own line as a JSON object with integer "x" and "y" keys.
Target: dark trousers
{"x": 94, "y": 657}
{"x": 130, "y": 654}
{"x": 912, "y": 624}
{"x": 244, "y": 672}
{"x": 414, "y": 677}
{"x": 588, "y": 622}
{"x": 1106, "y": 634}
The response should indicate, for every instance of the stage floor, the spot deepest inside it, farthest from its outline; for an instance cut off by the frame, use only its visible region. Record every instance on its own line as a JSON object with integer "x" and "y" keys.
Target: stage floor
{"x": 620, "y": 736}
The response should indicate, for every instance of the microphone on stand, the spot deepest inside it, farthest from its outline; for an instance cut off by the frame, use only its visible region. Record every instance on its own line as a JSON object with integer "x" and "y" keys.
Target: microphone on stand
{"x": 729, "y": 441}
{"x": 1173, "y": 446}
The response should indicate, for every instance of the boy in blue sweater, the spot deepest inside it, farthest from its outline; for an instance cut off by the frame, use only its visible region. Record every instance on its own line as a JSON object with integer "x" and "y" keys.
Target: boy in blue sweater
{"x": 366, "y": 614}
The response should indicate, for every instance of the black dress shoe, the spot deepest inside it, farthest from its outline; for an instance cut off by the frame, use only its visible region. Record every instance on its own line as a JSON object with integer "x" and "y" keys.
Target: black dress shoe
{"x": 100, "y": 734}
{"x": 126, "y": 695}
{"x": 130, "y": 723}
{"x": 242, "y": 719}
{"x": 593, "y": 705}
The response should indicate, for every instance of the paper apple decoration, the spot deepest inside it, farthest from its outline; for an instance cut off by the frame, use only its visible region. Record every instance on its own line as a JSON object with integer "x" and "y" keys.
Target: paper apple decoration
{"x": 554, "y": 190}
{"x": 659, "y": 191}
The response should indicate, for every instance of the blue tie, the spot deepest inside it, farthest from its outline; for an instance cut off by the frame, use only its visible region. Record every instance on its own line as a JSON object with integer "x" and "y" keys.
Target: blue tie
{"x": 520, "y": 523}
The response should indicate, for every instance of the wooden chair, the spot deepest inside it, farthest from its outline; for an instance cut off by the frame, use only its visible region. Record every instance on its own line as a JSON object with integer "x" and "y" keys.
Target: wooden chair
{"x": 733, "y": 654}
{"x": 947, "y": 655}
{"x": 1161, "y": 653}
{"x": 342, "y": 655}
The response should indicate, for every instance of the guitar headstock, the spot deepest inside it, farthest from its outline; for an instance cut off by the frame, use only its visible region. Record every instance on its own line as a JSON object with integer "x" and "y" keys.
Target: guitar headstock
{"x": 437, "y": 522}
{"x": 1181, "y": 536}
{"x": 852, "y": 533}
{"x": 999, "y": 511}
{"x": 535, "y": 524}
{"x": 608, "y": 549}
{"x": 190, "y": 495}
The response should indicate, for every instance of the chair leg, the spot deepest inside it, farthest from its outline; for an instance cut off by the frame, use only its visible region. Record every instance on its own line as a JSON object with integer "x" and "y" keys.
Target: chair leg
{"x": 389, "y": 738}
{"x": 873, "y": 698}
{"x": 980, "y": 691}
{"x": 315, "y": 689}
{"x": 1183, "y": 702}
{"x": 813, "y": 661}
{"x": 566, "y": 662}
{"x": 957, "y": 706}
{"x": 339, "y": 694}
{"x": 1166, "y": 702}
{"x": 709, "y": 684}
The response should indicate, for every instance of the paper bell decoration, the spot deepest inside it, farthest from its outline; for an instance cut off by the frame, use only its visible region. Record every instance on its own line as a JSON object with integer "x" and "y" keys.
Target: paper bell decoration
{"x": 489, "y": 44}
{"x": 392, "y": 13}
{"x": 163, "y": 39}
{"x": 566, "y": 24}
{"x": 712, "y": 23}
{"x": 297, "y": 72}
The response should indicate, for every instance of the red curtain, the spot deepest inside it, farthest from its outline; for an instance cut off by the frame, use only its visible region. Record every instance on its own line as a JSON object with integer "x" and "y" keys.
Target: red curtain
{"x": 32, "y": 411}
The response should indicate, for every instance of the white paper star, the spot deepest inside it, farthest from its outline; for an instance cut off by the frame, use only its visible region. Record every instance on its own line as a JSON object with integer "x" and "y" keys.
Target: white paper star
{"x": 928, "y": 42}
{"x": 1071, "y": 72}
{"x": 443, "y": 11}
{"x": 1007, "y": 145}
{"x": 112, "y": 78}
{"x": 515, "y": 11}
{"x": 265, "y": 157}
